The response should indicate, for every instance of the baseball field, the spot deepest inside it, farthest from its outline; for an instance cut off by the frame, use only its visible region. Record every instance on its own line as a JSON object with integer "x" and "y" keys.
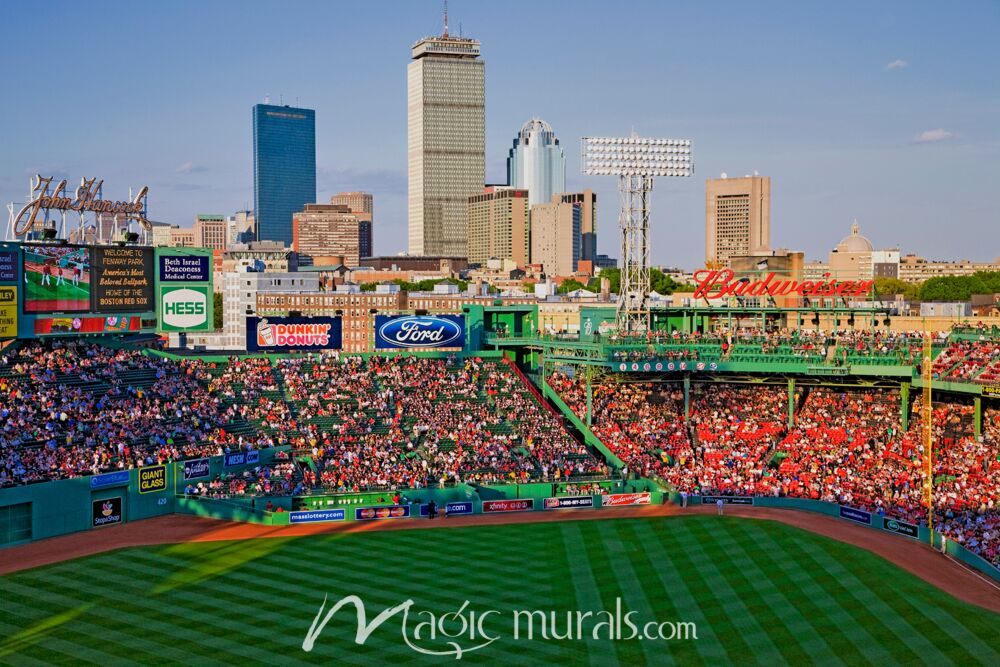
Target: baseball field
{"x": 756, "y": 592}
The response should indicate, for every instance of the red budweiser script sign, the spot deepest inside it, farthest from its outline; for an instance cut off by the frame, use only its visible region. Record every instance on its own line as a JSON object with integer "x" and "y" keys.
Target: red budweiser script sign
{"x": 716, "y": 284}
{"x": 508, "y": 505}
{"x": 615, "y": 499}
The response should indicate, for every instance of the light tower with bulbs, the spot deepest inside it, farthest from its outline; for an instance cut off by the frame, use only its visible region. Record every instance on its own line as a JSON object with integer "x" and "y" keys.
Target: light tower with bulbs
{"x": 635, "y": 161}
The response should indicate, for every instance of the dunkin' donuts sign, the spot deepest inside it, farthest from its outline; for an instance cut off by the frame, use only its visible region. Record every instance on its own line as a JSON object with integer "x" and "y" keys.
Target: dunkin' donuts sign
{"x": 419, "y": 331}
{"x": 718, "y": 284}
{"x": 293, "y": 333}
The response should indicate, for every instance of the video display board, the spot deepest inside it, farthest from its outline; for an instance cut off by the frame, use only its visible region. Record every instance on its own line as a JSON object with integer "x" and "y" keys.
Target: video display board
{"x": 56, "y": 278}
{"x": 122, "y": 279}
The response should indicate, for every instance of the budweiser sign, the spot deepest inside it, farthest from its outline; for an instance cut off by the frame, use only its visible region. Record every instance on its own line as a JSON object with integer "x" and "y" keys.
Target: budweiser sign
{"x": 716, "y": 284}
{"x": 619, "y": 499}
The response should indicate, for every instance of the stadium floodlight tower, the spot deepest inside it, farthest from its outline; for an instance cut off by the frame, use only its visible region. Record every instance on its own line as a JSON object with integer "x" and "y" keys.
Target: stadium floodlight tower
{"x": 635, "y": 161}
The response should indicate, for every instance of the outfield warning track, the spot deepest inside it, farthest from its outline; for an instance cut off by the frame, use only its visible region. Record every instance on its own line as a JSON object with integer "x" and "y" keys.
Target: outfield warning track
{"x": 917, "y": 558}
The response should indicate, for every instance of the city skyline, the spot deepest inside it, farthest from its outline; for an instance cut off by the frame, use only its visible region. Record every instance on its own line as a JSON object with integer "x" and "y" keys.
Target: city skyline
{"x": 887, "y": 120}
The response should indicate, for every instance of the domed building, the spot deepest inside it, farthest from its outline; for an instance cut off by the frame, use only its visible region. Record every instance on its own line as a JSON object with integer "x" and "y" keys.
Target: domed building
{"x": 852, "y": 258}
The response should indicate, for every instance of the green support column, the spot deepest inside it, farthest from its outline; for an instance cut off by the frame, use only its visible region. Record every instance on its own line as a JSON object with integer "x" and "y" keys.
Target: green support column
{"x": 687, "y": 398}
{"x": 977, "y": 418}
{"x": 904, "y": 394}
{"x": 791, "y": 402}
{"x": 590, "y": 395}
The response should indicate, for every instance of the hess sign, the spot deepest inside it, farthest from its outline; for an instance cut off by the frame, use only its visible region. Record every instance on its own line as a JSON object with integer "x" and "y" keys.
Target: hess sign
{"x": 417, "y": 331}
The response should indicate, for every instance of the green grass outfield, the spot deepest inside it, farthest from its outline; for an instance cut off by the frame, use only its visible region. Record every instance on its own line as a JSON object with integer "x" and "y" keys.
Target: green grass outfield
{"x": 759, "y": 592}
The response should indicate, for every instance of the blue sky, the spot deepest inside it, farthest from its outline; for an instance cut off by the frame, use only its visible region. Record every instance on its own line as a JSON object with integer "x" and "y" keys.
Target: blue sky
{"x": 884, "y": 111}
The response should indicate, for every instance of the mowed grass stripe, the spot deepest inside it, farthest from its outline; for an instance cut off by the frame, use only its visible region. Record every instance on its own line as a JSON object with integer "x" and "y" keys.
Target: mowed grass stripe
{"x": 731, "y": 586}
{"x": 810, "y": 624}
{"x": 154, "y": 636}
{"x": 587, "y": 595}
{"x": 653, "y": 602}
{"x": 728, "y": 627}
{"x": 676, "y": 591}
{"x": 846, "y": 625}
{"x": 886, "y": 603}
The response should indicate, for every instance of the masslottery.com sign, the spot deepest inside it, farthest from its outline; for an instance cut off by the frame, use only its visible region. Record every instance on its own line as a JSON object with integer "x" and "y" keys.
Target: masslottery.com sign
{"x": 187, "y": 308}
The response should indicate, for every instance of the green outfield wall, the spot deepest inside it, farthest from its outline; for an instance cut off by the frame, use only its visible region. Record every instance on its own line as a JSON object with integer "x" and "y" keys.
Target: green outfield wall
{"x": 100, "y": 502}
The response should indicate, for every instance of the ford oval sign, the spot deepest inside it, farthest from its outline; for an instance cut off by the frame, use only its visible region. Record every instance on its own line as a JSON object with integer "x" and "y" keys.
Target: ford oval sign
{"x": 416, "y": 331}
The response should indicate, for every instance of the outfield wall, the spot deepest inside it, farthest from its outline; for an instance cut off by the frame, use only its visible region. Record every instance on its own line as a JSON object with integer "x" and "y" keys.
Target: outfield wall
{"x": 99, "y": 502}
{"x": 905, "y": 530}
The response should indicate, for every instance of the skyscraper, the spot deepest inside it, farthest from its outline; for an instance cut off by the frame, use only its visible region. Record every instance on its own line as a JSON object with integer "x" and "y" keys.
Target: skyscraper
{"x": 499, "y": 226}
{"x": 555, "y": 236}
{"x": 737, "y": 217}
{"x": 284, "y": 168}
{"x": 361, "y": 205}
{"x": 536, "y": 162}
{"x": 323, "y": 233}
{"x": 588, "y": 221}
{"x": 446, "y": 141}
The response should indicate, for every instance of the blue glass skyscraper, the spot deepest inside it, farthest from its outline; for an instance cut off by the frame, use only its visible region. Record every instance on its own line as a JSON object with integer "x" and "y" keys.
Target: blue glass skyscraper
{"x": 284, "y": 168}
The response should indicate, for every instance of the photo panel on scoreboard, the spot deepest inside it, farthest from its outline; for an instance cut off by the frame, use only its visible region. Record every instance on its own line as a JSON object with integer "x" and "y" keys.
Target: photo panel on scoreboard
{"x": 57, "y": 278}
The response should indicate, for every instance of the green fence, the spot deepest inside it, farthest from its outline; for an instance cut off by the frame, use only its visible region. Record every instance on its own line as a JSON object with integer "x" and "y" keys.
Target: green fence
{"x": 99, "y": 502}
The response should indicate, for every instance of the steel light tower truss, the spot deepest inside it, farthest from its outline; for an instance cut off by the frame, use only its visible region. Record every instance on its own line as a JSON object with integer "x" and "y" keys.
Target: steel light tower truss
{"x": 635, "y": 161}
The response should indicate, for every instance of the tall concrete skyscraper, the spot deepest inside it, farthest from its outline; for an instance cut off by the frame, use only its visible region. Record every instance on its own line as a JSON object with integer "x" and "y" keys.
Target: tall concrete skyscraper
{"x": 446, "y": 141}
{"x": 284, "y": 168}
{"x": 737, "y": 217}
{"x": 536, "y": 162}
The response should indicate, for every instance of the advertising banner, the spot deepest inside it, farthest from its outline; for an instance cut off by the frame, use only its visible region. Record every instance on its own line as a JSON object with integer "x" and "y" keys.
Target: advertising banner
{"x": 316, "y": 516}
{"x": 518, "y": 505}
{"x": 153, "y": 479}
{"x": 187, "y": 308}
{"x": 240, "y": 458}
{"x": 122, "y": 279}
{"x": 107, "y": 511}
{"x": 45, "y": 326}
{"x": 8, "y": 311}
{"x": 185, "y": 268}
{"x": 10, "y": 259}
{"x": 109, "y": 479}
{"x": 852, "y": 514}
{"x": 56, "y": 278}
{"x": 991, "y": 390}
{"x": 464, "y": 507}
{"x": 568, "y": 502}
{"x": 369, "y": 513}
{"x": 280, "y": 334}
{"x": 196, "y": 468}
{"x": 409, "y": 331}
{"x": 621, "y": 499}
{"x": 728, "y": 500}
{"x": 901, "y": 527}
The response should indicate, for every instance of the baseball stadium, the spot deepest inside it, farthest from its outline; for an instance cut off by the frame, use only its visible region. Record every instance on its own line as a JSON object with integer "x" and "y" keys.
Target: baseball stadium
{"x": 729, "y": 486}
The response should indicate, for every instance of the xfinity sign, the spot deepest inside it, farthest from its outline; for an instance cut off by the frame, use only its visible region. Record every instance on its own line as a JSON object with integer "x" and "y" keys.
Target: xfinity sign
{"x": 419, "y": 331}
{"x": 184, "y": 308}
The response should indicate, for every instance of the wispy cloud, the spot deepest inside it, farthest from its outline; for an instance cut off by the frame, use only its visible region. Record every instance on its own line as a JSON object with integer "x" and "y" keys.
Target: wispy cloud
{"x": 376, "y": 181}
{"x": 931, "y": 136}
{"x": 187, "y": 187}
{"x": 897, "y": 64}
{"x": 190, "y": 168}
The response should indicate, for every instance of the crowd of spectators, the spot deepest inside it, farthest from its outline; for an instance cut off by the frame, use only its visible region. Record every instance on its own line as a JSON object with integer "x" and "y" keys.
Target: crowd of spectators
{"x": 846, "y": 446}
{"x": 408, "y": 422}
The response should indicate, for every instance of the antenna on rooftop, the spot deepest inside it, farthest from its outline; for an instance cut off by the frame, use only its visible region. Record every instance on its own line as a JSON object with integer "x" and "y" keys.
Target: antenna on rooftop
{"x": 267, "y": 98}
{"x": 445, "y": 18}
